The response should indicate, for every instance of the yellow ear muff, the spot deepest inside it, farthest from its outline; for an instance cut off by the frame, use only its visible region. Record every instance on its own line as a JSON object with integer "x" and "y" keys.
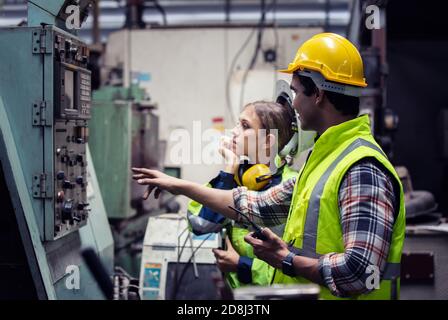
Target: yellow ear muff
{"x": 254, "y": 177}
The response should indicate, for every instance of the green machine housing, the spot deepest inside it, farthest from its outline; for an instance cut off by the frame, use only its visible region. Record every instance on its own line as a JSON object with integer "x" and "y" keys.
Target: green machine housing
{"x": 53, "y": 206}
{"x": 124, "y": 134}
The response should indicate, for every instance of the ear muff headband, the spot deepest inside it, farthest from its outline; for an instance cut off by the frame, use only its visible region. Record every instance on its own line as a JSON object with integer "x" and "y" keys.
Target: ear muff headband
{"x": 284, "y": 96}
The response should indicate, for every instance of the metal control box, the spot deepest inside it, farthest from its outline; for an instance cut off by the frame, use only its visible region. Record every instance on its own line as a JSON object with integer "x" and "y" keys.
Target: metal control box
{"x": 46, "y": 93}
{"x": 52, "y": 203}
{"x": 72, "y": 97}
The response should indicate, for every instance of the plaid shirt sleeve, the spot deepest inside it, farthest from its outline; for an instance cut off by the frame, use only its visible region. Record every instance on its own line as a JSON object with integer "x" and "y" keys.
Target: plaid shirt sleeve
{"x": 265, "y": 208}
{"x": 366, "y": 203}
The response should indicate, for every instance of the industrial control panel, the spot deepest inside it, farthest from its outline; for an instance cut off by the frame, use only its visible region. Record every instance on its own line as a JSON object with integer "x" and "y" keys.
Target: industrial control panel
{"x": 51, "y": 202}
{"x": 72, "y": 103}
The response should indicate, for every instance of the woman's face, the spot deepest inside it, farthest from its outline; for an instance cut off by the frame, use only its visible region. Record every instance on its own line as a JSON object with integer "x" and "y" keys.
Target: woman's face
{"x": 247, "y": 138}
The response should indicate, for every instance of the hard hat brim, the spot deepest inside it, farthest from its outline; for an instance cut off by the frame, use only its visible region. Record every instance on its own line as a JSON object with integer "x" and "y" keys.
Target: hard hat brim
{"x": 289, "y": 71}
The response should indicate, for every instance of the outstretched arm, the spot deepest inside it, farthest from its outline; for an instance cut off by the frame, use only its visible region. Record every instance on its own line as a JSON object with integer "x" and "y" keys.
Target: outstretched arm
{"x": 266, "y": 208}
{"x": 215, "y": 199}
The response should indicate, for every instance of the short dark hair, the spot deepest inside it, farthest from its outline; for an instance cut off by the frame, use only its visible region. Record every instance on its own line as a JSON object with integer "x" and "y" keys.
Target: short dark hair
{"x": 347, "y": 105}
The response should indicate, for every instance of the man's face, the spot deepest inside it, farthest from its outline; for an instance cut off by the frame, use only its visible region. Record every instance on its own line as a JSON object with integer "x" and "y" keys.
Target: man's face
{"x": 305, "y": 106}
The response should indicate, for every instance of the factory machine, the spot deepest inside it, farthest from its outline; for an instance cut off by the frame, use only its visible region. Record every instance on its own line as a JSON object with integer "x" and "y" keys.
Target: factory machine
{"x": 176, "y": 264}
{"x": 125, "y": 134}
{"x": 51, "y": 203}
{"x": 179, "y": 265}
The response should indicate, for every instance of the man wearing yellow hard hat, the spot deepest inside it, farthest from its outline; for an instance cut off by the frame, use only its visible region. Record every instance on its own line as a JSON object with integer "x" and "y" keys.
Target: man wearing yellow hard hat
{"x": 345, "y": 211}
{"x": 346, "y": 222}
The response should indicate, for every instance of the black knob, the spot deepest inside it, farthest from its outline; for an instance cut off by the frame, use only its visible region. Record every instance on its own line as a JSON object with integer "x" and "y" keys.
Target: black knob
{"x": 81, "y": 206}
{"x": 80, "y": 180}
{"x": 67, "y": 210}
{"x": 73, "y": 49}
{"x": 67, "y": 184}
{"x": 60, "y": 175}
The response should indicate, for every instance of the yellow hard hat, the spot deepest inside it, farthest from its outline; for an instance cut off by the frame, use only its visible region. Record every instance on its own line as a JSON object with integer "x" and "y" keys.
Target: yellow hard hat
{"x": 333, "y": 56}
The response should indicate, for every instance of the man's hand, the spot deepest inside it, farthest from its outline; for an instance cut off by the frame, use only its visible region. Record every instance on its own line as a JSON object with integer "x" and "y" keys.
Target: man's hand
{"x": 157, "y": 180}
{"x": 227, "y": 260}
{"x": 273, "y": 250}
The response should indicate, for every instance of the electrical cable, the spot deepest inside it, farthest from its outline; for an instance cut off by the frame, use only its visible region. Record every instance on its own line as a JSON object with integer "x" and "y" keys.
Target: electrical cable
{"x": 179, "y": 254}
{"x": 276, "y": 43}
{"x": 257, "y": 49}
{"x": 230, "y": 72}
{"x": 161, "y": 10}
{"x": 273, "y": 5}
{"x": 178, "y": 282}
{"x": 183, "y": 245}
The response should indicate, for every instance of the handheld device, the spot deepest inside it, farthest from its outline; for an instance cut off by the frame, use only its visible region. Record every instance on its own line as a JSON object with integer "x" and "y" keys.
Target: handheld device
{"x": 258, "y": 230}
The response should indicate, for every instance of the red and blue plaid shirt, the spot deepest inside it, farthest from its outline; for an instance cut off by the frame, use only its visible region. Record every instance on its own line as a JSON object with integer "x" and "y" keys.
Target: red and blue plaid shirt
{"x": 367, "y": 204}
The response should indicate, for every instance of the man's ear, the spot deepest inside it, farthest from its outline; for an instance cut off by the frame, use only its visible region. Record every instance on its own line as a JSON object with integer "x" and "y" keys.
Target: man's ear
{"x": 319, "y": 96}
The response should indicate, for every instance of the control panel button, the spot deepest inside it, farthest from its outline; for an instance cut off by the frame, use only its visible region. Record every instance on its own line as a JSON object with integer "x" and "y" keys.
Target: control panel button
{"x": 80, "y": 180}
{"x": 67, "y": 210}
{"x": 67, "y": 185}
{"x": 60, "y": 175}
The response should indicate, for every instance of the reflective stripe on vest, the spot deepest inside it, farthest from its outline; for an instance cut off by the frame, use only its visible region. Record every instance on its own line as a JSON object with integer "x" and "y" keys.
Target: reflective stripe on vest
{"x": 392, "y": 270}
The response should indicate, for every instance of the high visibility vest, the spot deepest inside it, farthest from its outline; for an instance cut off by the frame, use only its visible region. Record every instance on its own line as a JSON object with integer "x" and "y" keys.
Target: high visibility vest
{"x": 261, "y": 271}
{"x": 313, "y": 227}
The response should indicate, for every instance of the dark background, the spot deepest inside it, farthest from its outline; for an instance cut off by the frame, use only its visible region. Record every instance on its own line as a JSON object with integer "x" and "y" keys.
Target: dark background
{"x": 417, "y": 90}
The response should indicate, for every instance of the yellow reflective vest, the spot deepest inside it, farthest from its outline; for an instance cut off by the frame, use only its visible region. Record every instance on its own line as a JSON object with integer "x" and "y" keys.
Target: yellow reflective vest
{"x": 313, "y": 227}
